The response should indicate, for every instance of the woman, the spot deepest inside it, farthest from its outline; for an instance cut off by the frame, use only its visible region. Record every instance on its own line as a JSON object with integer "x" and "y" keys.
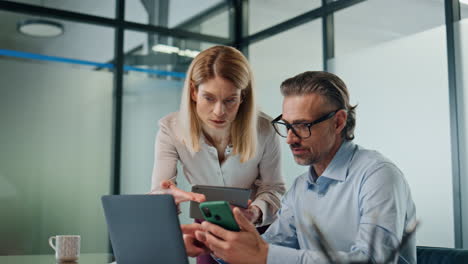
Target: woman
{"x": 219, "y": 137}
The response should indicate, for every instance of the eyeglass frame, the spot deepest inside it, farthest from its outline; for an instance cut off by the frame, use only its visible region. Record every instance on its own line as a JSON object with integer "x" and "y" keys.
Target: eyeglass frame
{"x": 308, "y": 124}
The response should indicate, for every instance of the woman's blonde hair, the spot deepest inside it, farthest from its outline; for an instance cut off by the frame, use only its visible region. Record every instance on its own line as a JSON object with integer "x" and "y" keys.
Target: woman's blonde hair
{"x": 229, "y": 64}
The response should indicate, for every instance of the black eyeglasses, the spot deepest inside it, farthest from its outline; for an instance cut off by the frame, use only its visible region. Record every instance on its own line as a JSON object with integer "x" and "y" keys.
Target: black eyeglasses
{"x": 301, "y": 130}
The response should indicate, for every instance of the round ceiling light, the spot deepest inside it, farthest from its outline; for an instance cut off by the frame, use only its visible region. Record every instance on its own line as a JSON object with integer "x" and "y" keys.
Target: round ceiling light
{"x": 40, "y": 28}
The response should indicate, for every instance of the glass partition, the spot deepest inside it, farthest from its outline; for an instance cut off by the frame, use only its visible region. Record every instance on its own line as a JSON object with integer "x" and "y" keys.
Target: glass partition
{"x": 210, "y": 17}
{"x": 55, "y": 138}
{"x": 264, "y": 14}
{"x": 464, "y": 9}
{"x": 274, "y": 60}
{"x": 79, "y": 43}
{"x": 105, "y": 8}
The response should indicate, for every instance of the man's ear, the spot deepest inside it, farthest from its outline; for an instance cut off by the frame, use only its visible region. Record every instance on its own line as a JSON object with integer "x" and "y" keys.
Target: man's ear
{"x": 193, "y": 92}
{"x": 341, "y": 117}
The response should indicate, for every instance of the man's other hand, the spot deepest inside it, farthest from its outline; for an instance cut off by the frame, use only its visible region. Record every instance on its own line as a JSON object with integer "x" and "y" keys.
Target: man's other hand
{"x": 243, "y": 247}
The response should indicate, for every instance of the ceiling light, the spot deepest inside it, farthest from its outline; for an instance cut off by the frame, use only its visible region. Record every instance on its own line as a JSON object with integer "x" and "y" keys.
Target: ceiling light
{"x": 165, "y": 48}
{"x": 40, "y": 28}
{"x": 171, "y": 49}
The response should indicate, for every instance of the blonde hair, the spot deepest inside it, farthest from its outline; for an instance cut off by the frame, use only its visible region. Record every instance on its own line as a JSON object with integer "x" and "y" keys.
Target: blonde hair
{"x": 227, "y": 63}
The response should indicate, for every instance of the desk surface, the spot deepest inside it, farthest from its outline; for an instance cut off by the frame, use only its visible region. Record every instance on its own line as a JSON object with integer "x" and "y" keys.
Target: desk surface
{"x": 97, "y": 258}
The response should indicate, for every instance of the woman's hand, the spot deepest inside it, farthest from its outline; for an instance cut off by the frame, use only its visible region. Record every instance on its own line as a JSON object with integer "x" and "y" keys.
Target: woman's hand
{"x": 252, "y": 213}
{"x": 168, "y": 187}
{"x": 193, "y": 246}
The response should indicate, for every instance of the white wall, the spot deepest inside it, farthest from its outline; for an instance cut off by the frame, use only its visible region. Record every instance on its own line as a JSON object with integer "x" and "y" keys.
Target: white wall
{"x": 377, "y": 21}
{"x": 401, "y": 87}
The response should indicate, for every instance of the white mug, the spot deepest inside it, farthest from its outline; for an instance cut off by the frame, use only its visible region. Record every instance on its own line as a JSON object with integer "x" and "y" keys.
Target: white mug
{"x": 67, "y": 248}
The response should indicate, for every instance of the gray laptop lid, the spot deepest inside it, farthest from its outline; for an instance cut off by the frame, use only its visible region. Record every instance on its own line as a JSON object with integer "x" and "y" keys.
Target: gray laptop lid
{"x": 144, "y": 229}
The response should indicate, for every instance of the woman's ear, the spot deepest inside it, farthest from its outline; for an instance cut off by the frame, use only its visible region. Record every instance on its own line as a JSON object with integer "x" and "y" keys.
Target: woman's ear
{"x": 193, "y": 92}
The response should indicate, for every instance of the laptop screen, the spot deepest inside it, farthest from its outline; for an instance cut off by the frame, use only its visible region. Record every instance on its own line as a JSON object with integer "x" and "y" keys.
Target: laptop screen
{"x": 144, "y": 229}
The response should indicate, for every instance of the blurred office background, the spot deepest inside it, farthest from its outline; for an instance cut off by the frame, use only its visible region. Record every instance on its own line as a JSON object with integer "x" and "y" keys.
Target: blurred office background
{"x": 84, "y": 84}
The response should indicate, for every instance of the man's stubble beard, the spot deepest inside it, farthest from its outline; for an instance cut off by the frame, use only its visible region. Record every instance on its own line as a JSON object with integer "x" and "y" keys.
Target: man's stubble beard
{"x": 303, "y": 160}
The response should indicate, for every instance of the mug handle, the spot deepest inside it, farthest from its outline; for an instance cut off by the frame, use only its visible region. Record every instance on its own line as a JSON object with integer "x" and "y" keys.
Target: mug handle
{"x": 51, "y": 242}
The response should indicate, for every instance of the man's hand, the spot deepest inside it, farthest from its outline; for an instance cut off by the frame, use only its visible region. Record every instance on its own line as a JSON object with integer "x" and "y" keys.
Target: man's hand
{"x": 168, "y": 187}
{"x": 193, "y": 246}
{"x": 243, "y": 247}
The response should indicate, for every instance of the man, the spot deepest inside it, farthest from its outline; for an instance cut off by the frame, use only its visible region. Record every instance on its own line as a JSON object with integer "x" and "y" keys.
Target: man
{"x": 358, "y": 198}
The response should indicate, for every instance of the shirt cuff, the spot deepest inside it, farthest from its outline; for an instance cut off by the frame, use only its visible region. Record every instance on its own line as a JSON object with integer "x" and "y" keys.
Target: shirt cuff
{"x": 264, "y": 208}
{"x": 280, "y": 255}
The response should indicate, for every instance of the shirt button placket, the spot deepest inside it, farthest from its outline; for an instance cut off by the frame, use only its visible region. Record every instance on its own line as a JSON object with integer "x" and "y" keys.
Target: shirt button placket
{"x": 220, "y": 174}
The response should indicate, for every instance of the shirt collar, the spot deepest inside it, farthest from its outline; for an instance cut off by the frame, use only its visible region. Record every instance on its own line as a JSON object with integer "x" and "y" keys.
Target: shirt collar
{"x": 338, "y": 168}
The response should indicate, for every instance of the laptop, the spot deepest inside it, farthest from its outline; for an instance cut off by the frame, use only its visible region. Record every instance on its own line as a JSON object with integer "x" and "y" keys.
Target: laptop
{"x": 144, "y": 229}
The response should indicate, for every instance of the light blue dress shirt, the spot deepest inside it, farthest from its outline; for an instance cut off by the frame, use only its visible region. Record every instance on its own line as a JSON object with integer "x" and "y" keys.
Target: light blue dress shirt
{"x": 360, "y": 191}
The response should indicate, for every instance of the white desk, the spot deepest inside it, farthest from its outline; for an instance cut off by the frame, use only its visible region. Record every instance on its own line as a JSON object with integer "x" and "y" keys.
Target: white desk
{"x": 90, "y": 258}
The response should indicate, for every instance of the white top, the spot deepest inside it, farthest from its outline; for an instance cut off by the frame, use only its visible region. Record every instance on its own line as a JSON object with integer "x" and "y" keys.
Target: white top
{"x": 262, "y": 173}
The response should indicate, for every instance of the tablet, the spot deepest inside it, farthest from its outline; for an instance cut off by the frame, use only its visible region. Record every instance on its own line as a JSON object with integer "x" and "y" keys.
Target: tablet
{"x": 235, "y": 196}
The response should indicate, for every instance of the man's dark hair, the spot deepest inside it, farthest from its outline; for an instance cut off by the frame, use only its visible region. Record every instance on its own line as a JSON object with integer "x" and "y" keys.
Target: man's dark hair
{"x": 329, "y": 86}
